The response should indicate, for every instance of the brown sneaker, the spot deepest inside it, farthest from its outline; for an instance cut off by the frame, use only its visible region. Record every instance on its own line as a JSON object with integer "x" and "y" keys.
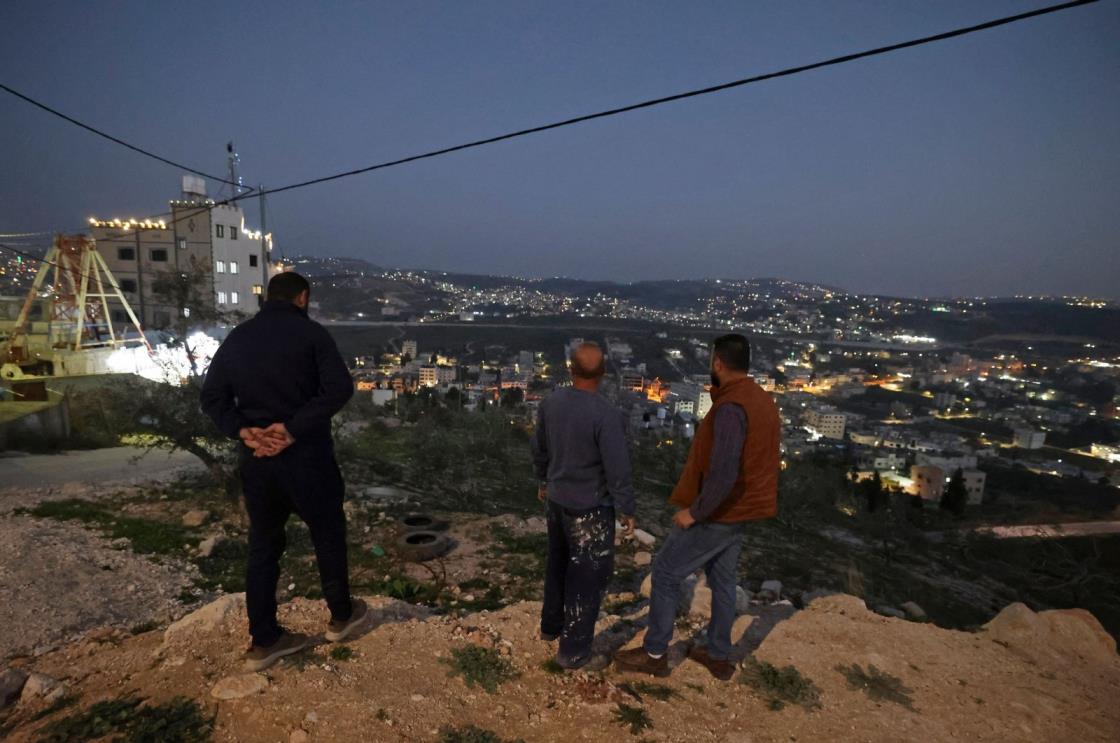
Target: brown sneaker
{"x": 338, "y": 631}
{"x": 637, "y": 660}
{"x": 721, "y": 669}
{"x": 258, "y": 658}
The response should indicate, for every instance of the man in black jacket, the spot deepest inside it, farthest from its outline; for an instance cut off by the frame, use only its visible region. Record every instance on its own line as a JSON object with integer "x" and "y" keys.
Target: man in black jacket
{"x": 274, "y": 384}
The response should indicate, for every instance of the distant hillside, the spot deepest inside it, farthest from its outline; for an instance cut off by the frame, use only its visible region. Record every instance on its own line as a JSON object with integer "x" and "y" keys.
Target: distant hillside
{"x": 315, "y": 266}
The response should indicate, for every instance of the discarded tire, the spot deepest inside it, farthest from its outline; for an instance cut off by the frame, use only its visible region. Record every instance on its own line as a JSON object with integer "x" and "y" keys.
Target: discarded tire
{"x": 422, "y": 522}
{"x": 421, "y": 546}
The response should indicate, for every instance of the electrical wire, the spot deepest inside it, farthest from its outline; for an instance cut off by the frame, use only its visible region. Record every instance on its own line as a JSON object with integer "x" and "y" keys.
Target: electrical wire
{"x": 110, "y": 137}
{"x": 571, "y": 121}
{"x": 688, "y": 94}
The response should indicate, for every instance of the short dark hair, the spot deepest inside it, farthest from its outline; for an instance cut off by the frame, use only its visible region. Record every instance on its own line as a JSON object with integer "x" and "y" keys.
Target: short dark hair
{"x": 734, "y": 350}
{"x": 287, "y": 286}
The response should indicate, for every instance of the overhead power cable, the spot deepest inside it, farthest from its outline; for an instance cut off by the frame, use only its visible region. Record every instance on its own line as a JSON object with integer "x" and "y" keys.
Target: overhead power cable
{"x": 111, "y": 138}
{"x": 688, "y": 94}
{"x": 587, "y": 117}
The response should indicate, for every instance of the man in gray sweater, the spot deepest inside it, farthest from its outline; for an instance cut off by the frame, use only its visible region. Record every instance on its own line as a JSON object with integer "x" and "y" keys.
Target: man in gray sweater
{"x": 583, "y": 465}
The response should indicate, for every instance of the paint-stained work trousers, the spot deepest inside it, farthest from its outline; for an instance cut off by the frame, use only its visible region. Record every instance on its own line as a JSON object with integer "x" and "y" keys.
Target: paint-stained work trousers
{"x": 580, "y": 564}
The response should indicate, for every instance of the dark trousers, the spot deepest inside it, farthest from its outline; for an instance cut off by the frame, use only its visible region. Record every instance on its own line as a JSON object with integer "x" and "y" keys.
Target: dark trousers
{"x": 306, "y": 481}
{"x": 580, "y": 564}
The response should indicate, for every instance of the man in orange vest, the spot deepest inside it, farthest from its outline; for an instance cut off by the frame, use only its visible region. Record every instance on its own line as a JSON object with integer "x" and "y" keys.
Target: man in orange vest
{"x": 730, "y": 478}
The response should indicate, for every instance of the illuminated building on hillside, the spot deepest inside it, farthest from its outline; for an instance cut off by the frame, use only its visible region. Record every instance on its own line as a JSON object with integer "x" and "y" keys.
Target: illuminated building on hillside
{"x": 199, "y": 235}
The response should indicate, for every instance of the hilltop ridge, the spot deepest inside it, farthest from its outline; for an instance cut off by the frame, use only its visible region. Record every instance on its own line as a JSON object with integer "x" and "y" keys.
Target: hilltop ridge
{"x": 859, "y": 676}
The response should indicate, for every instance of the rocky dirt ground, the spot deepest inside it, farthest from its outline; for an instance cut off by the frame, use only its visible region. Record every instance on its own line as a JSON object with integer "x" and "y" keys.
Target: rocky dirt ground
{"x": 1025, "y": 676}
{"x": 129, "y": 593}
{"x": 58, "y": 580}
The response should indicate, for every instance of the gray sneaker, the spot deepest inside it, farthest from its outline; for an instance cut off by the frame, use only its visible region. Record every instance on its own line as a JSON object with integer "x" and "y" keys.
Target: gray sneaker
{"x": 589, "y": 662}
{"x": 339, "y": 631}
{"x": 258, "y": 658}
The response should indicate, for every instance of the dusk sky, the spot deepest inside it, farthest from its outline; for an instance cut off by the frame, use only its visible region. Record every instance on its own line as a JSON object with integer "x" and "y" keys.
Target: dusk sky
{"x": 984, "y": 165}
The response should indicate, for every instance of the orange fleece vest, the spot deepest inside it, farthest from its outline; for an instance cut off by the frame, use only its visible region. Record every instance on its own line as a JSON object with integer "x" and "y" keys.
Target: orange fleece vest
{"x": 755, "y": 493}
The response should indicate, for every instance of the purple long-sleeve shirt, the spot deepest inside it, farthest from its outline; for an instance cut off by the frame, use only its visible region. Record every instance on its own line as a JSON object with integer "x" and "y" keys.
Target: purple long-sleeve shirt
{"x": 580, "y": 451}
{"x": 723, "y": 468}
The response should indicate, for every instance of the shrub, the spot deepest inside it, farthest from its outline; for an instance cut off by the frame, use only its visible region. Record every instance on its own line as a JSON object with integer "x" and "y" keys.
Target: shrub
{"x": 177, "y": 721}
{"x": 482, "y": 666}
{"x": 879, "y": 685}
{"x": 634, "y": 718}
{"x": 472, "y": 734}
{"x": 779, "y": 686}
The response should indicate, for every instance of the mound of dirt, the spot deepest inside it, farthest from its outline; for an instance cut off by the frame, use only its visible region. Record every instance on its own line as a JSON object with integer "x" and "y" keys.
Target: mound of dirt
{"x": 1025, "y": 676}
{"x": 58, "y": 580}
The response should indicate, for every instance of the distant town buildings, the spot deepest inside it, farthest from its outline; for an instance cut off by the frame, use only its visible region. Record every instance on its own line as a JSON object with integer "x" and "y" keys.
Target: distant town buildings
{"x": 1106, "y": 452}
{"x": 1028, "y": 438}
{"x": 854, "y": 384}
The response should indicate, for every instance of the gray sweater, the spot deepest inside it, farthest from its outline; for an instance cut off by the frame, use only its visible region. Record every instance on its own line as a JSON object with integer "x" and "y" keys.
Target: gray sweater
{"x": 580, "y": 451}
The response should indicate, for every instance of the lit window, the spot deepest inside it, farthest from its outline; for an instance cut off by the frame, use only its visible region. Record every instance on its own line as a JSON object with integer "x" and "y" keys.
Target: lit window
{"x": 233, "y": 297}
{"x": 186, "y": 312}
{"x": 233, "y": 266}
{"x": 219, "y": 230}
{"x": 182, "y": 243}
{"x": 126, "y": 254}
{"x": 159, "y": 255}
{"x": 219, "y": 267}
{"x": 232, "y": 232}
{"x": 258, "y": 289}
{"x": 221, "y": 297}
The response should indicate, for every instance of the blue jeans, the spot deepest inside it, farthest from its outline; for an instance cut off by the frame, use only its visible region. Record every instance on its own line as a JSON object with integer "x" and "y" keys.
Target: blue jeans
{"x": 580, "y": 564}
{"x": 714, "y": 547}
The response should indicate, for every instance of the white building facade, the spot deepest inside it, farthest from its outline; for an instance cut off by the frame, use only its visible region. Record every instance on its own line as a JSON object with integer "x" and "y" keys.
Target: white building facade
{"x": 200, "y": 236}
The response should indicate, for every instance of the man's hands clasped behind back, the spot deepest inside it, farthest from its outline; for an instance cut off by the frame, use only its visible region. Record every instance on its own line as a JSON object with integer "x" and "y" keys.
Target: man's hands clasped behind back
{"x": 267, "y": 442}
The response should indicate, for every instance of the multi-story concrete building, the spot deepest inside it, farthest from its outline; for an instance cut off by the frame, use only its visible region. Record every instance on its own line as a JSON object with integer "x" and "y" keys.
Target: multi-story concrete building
{"x": 826, "y": 423}
{"x": 1028, "y": 438}
{"x": 681, "y": 405}
{"x": 974, "y": 483}
{"x": 930, "y": 481}
{"x": 201, "y": 236}
{"x": 632, "y": 379}
{"x": 703, "y": 403}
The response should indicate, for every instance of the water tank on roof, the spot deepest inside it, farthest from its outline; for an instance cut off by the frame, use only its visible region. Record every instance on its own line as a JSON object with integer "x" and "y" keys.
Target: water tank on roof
{"x": 193, "y": 185}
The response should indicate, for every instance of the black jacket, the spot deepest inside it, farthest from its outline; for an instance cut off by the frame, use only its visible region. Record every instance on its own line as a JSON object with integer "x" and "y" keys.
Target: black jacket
{"x": 280, "y": 366}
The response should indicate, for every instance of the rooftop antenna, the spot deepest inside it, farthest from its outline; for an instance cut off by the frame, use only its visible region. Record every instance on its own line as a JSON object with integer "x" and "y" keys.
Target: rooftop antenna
{"x": 233, "y": 160}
